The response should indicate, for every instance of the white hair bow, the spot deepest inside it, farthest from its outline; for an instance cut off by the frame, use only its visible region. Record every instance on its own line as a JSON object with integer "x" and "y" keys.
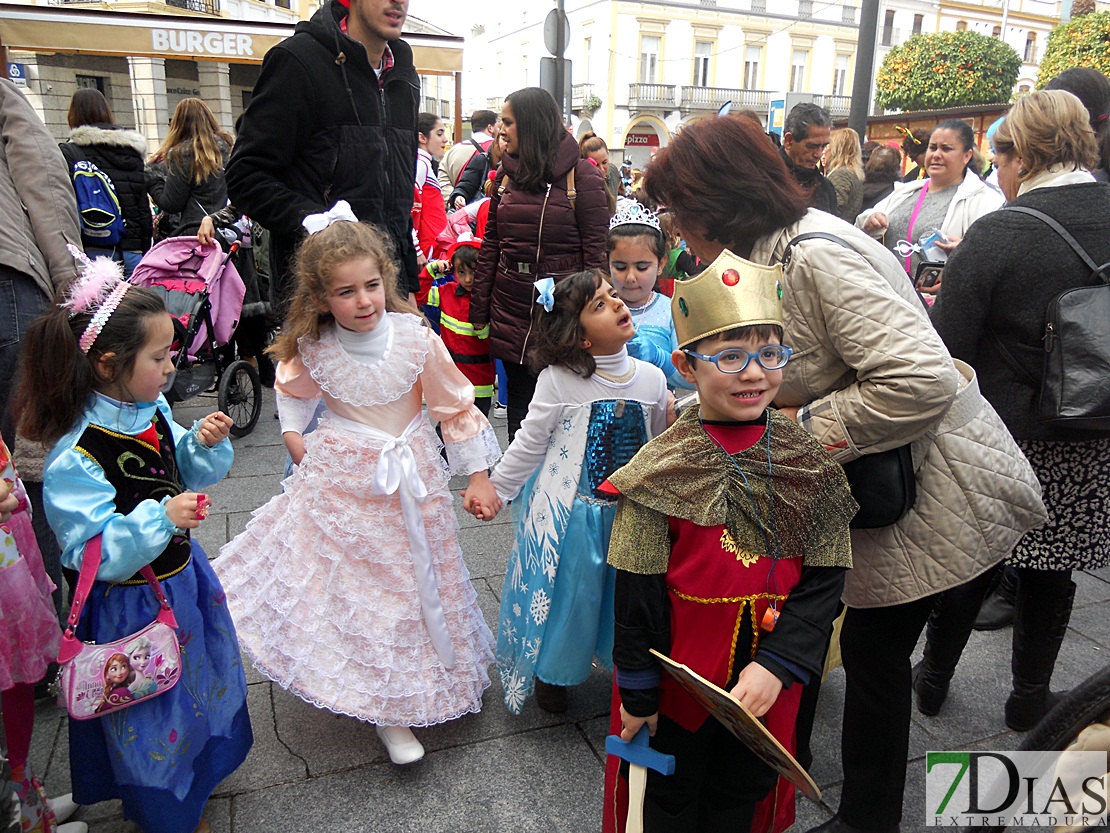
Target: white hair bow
{"x": 318, "y": 222}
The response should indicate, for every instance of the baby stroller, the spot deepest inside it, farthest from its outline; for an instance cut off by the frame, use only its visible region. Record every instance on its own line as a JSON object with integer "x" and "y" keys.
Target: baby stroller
{"x": 204, "y": 294}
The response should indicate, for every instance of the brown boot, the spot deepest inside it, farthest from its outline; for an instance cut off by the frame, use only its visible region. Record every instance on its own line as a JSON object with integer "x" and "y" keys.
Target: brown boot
{"x": 551, "y": 698}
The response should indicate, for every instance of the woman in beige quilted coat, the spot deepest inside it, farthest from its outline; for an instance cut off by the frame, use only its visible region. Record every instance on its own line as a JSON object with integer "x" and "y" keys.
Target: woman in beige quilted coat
{"x": 868, "y": 374}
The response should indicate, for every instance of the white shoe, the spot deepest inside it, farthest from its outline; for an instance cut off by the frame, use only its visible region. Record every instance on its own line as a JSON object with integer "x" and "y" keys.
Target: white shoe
{"x": 73, "y": 827}
{"x": 401, "y": 744}
{"x": 63, "y": 806}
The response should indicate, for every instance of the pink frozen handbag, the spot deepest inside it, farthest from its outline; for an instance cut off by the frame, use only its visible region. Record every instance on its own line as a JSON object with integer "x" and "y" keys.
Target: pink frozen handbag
{"x": 99, "y": 679}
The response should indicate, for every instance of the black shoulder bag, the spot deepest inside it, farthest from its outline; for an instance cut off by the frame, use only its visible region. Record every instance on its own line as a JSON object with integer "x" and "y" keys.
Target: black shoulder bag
{"x": 1074, "y": 390}
{"x": 883, "y": 483}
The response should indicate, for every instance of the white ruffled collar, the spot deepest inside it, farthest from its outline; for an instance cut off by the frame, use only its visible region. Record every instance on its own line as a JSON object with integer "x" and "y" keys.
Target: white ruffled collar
{"x": 344, "y": 377}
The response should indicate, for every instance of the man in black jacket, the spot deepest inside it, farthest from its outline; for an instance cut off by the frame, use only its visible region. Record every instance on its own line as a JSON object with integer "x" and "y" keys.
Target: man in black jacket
{"x": 804, "y": 139}
{"x": 332, "y": 117}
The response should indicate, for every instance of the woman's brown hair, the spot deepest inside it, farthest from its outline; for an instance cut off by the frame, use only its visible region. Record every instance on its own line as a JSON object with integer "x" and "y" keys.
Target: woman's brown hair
{"x": 539, "y": 130}
{"x": 723, "y": 178}
{"x": 89, "y": 106}
{"x": 194, "y": 132}
{"x": 316, "y": 259}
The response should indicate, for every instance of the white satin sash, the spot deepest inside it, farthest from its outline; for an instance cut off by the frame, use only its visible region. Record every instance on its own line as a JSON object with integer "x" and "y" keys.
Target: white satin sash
{"x": 397, "y": 472}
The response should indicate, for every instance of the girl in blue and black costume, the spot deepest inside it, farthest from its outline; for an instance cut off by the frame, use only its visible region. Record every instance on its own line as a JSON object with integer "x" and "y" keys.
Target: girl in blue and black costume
{"x": 120, "y": 467}
{"x": 594, "y": 407}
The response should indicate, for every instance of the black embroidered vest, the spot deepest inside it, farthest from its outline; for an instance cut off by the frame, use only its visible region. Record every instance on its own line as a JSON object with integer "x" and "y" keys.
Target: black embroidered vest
{"x": 138, "y": 471}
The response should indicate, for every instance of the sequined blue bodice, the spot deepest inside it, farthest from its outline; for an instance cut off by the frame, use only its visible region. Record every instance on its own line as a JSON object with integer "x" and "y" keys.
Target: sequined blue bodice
{"x": 617, "y": 431}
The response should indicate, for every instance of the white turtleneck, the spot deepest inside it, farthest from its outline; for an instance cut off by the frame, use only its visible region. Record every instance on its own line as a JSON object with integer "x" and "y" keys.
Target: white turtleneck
{"x": 366, "y": 348}
{"x": 558, "y": 387}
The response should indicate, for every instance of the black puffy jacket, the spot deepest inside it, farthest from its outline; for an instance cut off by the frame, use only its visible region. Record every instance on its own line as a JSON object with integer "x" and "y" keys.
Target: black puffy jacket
{"x": 120, "y": 154}
{"x": 319, "y": 129}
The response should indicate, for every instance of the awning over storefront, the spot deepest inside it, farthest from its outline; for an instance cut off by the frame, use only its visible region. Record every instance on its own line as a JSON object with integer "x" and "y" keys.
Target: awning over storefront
{"x": 66, "y": 29}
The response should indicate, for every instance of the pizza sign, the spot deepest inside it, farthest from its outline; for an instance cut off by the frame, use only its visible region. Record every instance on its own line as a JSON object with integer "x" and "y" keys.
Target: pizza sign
{"x": 642, "y": 140}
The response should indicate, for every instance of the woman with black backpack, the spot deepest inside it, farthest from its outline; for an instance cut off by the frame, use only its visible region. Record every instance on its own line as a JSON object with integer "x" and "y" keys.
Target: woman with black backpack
{"x": 94, "y": 136}
{"x": 993, "y": 312}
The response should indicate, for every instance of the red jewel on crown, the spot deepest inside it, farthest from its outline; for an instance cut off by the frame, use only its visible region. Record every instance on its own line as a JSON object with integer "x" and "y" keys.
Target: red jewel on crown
{"x": 730, "y": 277}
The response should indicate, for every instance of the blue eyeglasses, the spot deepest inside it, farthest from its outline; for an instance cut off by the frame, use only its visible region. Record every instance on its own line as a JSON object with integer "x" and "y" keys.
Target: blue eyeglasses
{"x": 734, "y": 360}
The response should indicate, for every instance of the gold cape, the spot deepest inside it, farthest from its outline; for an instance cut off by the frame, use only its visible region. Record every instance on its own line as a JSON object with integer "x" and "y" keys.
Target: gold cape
{"x": 682, "y": 473}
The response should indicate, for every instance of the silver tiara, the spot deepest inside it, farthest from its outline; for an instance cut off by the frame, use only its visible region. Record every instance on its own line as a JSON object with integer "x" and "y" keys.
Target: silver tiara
{"x": 630, "y": 212}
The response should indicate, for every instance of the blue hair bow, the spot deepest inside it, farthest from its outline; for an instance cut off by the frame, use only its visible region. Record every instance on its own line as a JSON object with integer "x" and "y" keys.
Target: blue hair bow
{"x": 546, "y": 289}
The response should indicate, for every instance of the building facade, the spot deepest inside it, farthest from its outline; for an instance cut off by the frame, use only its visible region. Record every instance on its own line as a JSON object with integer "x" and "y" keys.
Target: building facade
{"x": 146, "y": 56}
{"x": 641, "y": 70}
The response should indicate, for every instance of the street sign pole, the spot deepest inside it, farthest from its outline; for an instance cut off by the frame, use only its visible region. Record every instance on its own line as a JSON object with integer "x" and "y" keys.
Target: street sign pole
{"x": 865, "y": 66}
{"x": 560, "y": 59}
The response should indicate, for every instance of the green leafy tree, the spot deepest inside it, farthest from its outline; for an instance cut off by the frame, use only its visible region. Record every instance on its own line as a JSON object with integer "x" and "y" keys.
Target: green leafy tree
{"x": 1081, "y": 42}
{"x": 947, "y": 69}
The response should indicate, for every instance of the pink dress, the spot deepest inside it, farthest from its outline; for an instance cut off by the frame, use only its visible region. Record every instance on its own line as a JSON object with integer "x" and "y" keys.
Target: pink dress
{"x": 349, "y": 588}
{"x": 29, "y": 631}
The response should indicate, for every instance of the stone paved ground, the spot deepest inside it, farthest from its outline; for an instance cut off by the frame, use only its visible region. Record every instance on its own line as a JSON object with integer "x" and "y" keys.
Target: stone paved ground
{"x": 311, "y": 771}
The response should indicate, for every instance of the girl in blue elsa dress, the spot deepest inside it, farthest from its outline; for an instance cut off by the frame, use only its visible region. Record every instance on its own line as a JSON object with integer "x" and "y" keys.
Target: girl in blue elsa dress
{"x": 120, "y": 467}
{"x": 594, "y": 407}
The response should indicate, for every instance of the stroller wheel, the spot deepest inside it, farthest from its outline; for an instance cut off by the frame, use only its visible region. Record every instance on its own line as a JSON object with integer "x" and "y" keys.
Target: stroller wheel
{"x": 240, "y": 396}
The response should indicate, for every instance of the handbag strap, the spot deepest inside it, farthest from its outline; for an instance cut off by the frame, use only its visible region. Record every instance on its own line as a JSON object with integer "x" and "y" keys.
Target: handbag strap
{"x": 90, "y": 564}
{"x": 814, "y": 235}
{"x": 913, "y": 221}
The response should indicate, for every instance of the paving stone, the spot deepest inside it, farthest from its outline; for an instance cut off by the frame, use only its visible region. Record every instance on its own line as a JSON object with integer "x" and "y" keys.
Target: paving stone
{"x": 488, "y": 602}
{"x": 596, "y": 730}
{"x": 1090, "y": 590}
{"x": 237, "y": 522}
{"x": 249, "y": 491}
{"x": 486, "y": 550}
{"x": 270, "y": 762}
{"x": 1093, "y": 623}
{"x": 49, "y": 753}
{"x": 546, "y": 780}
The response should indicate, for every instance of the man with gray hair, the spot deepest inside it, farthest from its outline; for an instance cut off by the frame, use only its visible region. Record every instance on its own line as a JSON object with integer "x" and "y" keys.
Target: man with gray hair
{"x": 804, "y": 139}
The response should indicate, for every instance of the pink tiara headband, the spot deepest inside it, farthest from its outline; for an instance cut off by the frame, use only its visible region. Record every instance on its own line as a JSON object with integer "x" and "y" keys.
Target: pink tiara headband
{"x": 98, "y": 286}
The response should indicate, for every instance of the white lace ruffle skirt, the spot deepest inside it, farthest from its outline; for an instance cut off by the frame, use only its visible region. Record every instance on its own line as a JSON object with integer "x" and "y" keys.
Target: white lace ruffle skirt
{"x": 323, "y": 594}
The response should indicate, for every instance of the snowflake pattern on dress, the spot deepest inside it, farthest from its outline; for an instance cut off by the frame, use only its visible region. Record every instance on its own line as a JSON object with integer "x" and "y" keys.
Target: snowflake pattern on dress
{"x": 534, "y": 561}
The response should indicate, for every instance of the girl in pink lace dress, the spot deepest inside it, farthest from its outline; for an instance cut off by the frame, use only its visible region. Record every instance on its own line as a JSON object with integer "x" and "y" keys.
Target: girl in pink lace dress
{"x": 349, "y": 588}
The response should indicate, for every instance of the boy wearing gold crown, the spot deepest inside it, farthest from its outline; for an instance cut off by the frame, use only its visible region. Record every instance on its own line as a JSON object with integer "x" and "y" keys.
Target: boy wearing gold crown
{"x": 730, "y": 542}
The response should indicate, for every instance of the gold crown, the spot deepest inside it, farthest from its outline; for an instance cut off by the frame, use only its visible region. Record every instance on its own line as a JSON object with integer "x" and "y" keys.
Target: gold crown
{"x": 731, "y": 292}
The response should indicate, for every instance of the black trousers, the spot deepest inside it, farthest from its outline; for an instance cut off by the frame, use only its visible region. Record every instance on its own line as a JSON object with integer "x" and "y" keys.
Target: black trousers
{"x": 521, "y": 388}
{"x": 716, "y": 783}
{"x": 876, "y": 644}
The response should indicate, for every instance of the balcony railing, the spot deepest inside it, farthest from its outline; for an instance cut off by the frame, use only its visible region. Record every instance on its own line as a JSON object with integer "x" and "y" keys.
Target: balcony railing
{"x": 202, "y": 6}
{"x": 837, "y": 106}
{"x": 580, "y": 96}
{"x": 651, "y": 95}
{"x": 711, "y": 98}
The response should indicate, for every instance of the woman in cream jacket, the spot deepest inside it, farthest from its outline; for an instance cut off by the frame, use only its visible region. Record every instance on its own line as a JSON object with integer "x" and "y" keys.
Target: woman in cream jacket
{"x": 868, "y": 373}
